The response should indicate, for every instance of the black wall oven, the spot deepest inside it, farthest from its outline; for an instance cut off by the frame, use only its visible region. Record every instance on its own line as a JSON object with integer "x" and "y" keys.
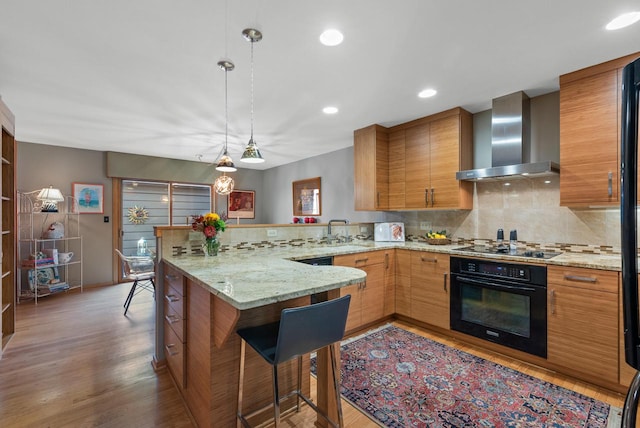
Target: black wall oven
{"x": 505, "y": 303}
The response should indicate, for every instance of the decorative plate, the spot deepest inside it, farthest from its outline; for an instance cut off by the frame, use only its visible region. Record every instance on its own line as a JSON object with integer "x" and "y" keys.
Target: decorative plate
{"x": 138, "y": 215}
{"x": 44, "y": 276}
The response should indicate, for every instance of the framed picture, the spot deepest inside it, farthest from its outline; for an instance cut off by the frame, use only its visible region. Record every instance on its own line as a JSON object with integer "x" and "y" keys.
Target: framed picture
{"x": 89, "y": 197}
{"x": 241, "y": 204}
{"x": 306, "y": 197}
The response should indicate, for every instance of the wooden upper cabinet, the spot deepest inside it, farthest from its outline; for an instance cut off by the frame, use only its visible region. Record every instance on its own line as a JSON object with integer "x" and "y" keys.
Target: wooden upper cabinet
{"x": 589, "y": 134}
{"x": 371, "y": 168}
{"x": 417, "y": 162}
{"x": 397, "y": 156}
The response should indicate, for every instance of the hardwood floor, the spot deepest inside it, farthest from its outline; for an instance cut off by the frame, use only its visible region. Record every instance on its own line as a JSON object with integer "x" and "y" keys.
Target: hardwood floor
{"x": 76, "y": 361}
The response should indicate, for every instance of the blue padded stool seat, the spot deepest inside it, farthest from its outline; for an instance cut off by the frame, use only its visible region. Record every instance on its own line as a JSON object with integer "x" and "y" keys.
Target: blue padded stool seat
{"x": 300, "y": 331}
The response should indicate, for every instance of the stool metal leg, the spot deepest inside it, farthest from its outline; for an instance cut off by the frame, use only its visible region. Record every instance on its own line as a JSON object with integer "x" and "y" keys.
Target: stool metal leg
{"x": 276, "y": 399}
{"x": 336, "y": 383}
{"x": 130, "y": 297}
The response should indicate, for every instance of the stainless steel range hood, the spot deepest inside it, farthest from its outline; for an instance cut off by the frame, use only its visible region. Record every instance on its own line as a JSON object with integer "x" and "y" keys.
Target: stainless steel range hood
{"x": 510, "y": 143}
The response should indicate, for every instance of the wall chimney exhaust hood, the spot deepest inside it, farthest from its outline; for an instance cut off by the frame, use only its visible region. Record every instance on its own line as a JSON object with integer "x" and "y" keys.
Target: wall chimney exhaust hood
{"x": 510, "y": 143}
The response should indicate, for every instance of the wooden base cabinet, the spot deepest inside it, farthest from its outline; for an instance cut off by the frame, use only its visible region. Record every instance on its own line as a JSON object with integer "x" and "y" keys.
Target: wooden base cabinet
{"x": 367, "y": 299}
{"x": 403, "y": 282}
{"x": 430, "y": 288}
{"x": 175, "y": 324}
{"x": 582, "y": 318}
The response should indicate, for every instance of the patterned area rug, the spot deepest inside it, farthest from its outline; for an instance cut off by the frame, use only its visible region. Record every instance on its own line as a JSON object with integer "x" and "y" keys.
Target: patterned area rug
{"x": 401, "y": 379}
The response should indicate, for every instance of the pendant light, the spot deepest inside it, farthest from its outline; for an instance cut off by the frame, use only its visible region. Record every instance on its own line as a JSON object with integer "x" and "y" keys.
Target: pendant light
{"x": 224, "y": 184}
{"x": 251, "y": 152}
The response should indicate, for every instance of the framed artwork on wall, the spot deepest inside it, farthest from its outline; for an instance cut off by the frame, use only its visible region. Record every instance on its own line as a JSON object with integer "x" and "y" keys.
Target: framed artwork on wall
{"x": 306, "y": 197}
{"x": 242, "y": 204}
{"x": 90, "y": 198}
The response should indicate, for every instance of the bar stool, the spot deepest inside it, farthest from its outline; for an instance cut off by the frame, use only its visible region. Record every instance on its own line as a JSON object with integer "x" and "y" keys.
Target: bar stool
{"x": 300, "y": 331}
{"x": 140, "y": 270}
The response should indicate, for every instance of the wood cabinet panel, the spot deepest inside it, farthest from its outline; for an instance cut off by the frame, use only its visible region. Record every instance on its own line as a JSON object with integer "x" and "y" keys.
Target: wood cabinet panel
{"x": 417, "y": 161}
{"x": 371, "y": 167}
{"x": 389, "y": 276}
{"x": 8, "y": 222}
{"x": 174, "y": 351}
{"x": 397, "y": 169}
{"x": 626, "y": 371}
{"x": 582, "y": 317}
{"x": 403, "y": 282}
{"x": 589, "y": 140}
{"x": 430, "y": 288}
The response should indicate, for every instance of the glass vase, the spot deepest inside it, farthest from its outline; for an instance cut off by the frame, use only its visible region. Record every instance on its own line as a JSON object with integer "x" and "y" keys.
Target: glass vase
{"x": 210, "y": 247}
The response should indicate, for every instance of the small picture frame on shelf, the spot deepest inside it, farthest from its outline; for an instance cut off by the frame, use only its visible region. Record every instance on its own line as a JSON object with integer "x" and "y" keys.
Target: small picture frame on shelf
{"x": 89, "y": 197}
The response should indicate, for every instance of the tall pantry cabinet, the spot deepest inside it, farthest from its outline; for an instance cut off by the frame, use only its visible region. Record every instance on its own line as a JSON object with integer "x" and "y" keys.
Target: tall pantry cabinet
{"x": 8, "y": 209}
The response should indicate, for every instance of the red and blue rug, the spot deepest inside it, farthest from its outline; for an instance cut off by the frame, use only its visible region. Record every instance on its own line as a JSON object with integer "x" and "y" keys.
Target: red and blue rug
{"x": 401, "y": 379}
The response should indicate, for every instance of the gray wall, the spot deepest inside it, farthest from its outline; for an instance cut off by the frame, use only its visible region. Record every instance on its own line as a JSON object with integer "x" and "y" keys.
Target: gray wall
{"x": 40, "y": 165}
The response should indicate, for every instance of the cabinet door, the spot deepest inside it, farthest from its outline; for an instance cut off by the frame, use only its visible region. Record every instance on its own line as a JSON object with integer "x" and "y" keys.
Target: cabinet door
{"x": 417, "y": 167}
{"x": 371, "y": 168}
{"x": 430, "y": 288}
{"x": 582, "y": 318}
{"x": 354, "y": 319}
{"x": 373, "y": 293}
{"x": 396, "y": 170}
{"x": 389, "y": 283}
{"x": 589, "y": 140}
{"x": 626, "y": 371}
{"x": 403, "y": 282}
{"x": 444, "y": 143}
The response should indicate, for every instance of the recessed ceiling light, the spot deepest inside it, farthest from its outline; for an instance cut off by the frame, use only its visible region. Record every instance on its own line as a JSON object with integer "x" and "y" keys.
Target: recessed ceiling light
{"x": 623, "y": 20}
{"x": 331, "y": 37}
{"x": 330, "y": 110}
{"x": 547, "y": 181}
{"x": 427, "y": 93}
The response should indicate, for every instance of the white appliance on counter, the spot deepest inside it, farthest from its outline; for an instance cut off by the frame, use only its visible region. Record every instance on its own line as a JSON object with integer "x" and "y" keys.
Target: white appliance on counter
{"x": 388, "y": 232}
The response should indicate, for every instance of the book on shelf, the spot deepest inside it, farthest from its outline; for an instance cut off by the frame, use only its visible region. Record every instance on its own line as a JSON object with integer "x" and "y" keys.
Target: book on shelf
{"x": 31, "y": 263}
{"x": 53, "y": 288}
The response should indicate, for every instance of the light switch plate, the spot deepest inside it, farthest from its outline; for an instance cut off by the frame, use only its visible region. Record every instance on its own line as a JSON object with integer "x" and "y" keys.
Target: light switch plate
{"x": 272, "y": 232}
{"x": 363, "y": 229}
{"x": 425, "y": 225}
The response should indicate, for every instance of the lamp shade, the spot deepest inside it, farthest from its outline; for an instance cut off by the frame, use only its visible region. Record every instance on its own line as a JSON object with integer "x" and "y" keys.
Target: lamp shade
{"x": 50, "y": 194}
{"x": 252, "y": 153}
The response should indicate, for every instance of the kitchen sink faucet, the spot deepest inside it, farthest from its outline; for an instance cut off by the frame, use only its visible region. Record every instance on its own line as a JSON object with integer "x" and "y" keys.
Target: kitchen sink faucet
{"x": 330, "y": 237}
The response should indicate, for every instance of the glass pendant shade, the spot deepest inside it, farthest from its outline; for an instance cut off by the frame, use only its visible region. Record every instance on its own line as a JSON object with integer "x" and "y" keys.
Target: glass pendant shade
{"x": 252, "y": 153}
{"x": 223, "y": 185}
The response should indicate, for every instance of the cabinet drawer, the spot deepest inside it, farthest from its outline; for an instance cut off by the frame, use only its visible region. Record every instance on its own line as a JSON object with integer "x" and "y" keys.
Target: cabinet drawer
{"x": 591, "y": 279}
{"x": 175, "y": 301}
{"x": 174, "y": 318}
{"x": 174, "y": 279}
{"x": 360, "y": 259}
{"x": 174, "y": 351}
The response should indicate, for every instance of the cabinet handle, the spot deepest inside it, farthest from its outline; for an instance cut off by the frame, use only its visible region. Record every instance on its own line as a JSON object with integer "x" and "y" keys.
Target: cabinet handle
{"x": 378, "y": 203}
{"x": 610, "y": 184}
{"x": 553, "y": 301}
{"x": 362, "y": 260}
{"x": 171, "y": 319}
{"x": 433, "y": 197}
{"x": 445, "y": 282}
{"x": 168, "y": 349}
{"x": 172, "y": 298}
{"x": 580, "y": 278}
{"x": 426, "y": 197}
{"x": 433, "y": 260}
{"x": 170, "y": 277}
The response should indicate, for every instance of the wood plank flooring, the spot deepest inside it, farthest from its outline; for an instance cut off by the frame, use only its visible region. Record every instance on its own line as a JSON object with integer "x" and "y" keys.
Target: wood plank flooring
{"x": 76, "y": 361}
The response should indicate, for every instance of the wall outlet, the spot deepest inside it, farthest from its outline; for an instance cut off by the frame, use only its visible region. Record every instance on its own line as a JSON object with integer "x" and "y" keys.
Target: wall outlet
{"x": 425, "y": 225}
{"x": 272, "y": 232}
{"x": 363, "y": 229}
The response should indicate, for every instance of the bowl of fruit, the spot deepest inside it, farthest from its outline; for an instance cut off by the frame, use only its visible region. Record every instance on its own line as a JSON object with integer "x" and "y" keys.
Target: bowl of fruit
{"x": 438, "y": 238}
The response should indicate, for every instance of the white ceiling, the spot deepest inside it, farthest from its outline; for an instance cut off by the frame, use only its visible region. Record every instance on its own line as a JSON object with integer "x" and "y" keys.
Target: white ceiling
{"x": 141, "y": 76}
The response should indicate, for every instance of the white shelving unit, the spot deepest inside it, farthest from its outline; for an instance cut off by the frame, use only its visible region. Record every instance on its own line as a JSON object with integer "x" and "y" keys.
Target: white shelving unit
{"x": 36, "y": 280}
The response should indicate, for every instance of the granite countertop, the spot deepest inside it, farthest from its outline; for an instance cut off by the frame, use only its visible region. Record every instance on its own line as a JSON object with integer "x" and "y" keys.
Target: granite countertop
{"x": 249, "y": 279}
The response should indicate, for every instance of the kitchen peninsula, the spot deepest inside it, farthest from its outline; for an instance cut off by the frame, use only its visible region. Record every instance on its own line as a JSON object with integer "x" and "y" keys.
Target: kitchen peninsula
{"x": 206, "y": 299}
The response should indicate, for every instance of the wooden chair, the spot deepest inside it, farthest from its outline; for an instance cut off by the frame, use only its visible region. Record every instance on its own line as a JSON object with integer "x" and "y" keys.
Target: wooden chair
{"x": 140, "y": 270}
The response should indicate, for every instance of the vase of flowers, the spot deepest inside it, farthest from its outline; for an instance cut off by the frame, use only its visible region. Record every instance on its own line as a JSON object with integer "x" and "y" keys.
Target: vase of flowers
{"x": 210, "y": 225}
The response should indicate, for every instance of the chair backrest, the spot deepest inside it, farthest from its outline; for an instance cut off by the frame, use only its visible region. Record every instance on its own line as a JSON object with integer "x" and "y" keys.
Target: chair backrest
{"x": 135, "y": 265}
{"x": 307, "y": 328}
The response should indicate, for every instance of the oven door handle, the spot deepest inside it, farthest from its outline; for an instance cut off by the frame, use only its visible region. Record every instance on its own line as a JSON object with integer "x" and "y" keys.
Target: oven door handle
{"x": 492, "y": 284}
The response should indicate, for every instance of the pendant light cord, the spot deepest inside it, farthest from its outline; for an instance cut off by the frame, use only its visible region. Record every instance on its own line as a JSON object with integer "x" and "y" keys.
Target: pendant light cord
{"x": 226, "y": 112}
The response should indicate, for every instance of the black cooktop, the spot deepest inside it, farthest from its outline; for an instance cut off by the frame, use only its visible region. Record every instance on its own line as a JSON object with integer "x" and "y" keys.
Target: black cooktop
{"x": 482, "y": 249}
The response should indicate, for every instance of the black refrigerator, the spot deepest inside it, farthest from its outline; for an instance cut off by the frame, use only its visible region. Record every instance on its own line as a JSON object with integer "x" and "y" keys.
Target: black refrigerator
{"x": 629, "y": 245}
